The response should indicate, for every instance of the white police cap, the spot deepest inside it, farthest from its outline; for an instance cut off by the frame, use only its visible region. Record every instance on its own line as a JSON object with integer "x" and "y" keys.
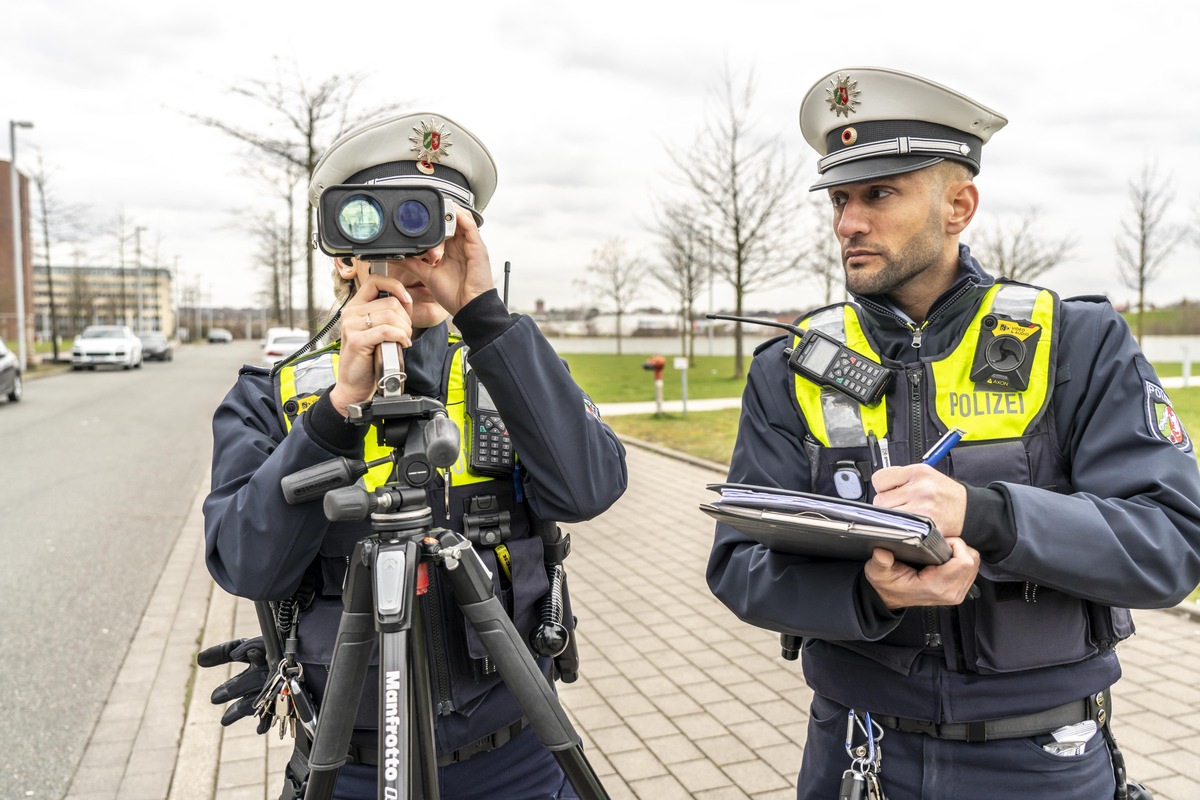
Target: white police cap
{"x": 423, "y": 148}
{"x": 869, "y": 122}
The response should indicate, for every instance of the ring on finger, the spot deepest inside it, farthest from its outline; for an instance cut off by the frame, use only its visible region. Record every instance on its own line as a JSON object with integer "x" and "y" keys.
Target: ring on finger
{"x": 367, "y": 321}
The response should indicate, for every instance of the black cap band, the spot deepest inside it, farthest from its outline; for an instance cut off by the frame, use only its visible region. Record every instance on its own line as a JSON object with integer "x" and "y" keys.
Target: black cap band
{"x": 898, "y": 139}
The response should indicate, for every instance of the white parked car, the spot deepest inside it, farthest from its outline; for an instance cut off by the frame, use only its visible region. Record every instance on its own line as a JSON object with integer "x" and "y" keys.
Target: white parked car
{"x": 106, "y": 344}
{"x": 281, "y": 343}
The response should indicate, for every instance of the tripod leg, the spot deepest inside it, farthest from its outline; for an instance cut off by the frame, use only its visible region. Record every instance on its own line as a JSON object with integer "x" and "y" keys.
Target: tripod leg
{"x": 425, "y": 780}
{"x": 407, "y": 754}
{"x": 347, "y": 674}
{"x": 473, "y": 590}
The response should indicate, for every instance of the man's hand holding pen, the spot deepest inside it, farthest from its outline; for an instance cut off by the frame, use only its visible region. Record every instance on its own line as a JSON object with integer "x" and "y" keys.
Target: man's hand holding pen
{"x": 921, "y": 489}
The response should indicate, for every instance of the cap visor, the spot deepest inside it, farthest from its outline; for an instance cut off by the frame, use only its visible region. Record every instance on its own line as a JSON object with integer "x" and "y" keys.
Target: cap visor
{"x": 870, "y": 169}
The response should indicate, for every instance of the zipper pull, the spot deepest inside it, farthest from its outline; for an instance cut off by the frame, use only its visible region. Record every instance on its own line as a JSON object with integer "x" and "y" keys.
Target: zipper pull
{"x": 916, "y": 339}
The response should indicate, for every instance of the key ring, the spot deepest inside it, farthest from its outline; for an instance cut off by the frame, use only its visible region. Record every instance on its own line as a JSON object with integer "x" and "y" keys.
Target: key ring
{"x": 868, "y": 727}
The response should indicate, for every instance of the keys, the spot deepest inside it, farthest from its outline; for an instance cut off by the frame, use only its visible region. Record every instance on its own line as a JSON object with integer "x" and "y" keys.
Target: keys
{"x": 285, "y": 711}
{"x": 265, "y": 702}
{"x": 861, "y": 781}
{"x": 854, "y": 786}
{"x": 874, "y": 788}
{"x": 302, "y": 705}
{"x": 278, "y": 700}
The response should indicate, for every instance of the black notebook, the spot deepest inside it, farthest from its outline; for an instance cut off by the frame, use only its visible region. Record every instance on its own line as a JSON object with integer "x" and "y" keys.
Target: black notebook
{"x": 815, "y": 525}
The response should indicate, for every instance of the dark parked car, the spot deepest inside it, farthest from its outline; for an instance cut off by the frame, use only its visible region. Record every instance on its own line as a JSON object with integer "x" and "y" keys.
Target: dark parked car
{"x": 156, "y": 346}
{"x": 10, "y": 374}
{"x": 219, "y": 336}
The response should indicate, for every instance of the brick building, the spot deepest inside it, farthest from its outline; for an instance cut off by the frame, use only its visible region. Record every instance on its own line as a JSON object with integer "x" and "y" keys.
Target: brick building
{"x": 8, "y": 275}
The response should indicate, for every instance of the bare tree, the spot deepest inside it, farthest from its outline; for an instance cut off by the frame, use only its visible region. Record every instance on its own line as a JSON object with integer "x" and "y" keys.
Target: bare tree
{"x": 823, "y": 259}
{"x": 59, "y": 222}
{"x": 747, "y": 190}
{"x": 273, "y": 240}
{"x": 313, "y": 117}
{"x": 615, "y": 278}
{"x": 1146, "y": 239}
{"x": 1017, "y": 251}
{"x": 685, "y": 269}
{"x": 81, "y": 300}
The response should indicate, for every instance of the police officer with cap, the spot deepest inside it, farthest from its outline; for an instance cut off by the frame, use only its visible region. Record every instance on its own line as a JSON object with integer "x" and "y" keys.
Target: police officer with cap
{"x": 1072, "y": 496}
{"x": 569, "y": 467}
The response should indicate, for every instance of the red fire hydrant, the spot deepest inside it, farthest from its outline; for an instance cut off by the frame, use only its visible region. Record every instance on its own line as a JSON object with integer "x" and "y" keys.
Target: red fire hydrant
{"x": 658, "y": 364}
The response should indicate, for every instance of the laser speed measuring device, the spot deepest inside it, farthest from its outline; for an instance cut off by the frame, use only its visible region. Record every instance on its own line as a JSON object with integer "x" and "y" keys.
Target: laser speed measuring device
{"x": 378, "y": 222}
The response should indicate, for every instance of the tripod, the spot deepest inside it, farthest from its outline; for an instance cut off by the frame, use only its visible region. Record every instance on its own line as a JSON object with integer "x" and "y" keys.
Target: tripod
{"x": 380, "y": 603}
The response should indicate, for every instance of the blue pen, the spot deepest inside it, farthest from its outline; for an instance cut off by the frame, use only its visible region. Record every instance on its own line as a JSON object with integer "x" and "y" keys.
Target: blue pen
{"x": 943, "y": 445}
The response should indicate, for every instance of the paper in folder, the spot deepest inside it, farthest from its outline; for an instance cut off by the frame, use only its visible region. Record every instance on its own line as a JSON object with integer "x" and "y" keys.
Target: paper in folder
{"x": 816, "y": 525}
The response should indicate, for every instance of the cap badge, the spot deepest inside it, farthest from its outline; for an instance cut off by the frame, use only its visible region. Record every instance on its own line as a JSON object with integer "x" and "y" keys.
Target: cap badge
{"x": 849, "y": 136}
{"x": 430, "y": 141}
{"x": 843, "y": 96}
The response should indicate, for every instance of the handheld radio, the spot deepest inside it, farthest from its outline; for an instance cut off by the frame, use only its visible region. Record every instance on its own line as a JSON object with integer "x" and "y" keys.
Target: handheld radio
{"x": 827, "y": 362}
{"x": 488, "y": 442}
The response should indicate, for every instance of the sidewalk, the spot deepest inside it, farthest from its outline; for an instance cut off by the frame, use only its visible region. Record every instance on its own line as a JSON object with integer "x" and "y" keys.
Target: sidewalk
{"x": 676, "y": 698}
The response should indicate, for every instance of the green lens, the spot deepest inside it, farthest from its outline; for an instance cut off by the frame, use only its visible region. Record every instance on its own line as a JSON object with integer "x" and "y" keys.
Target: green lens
{"x": 360, "y": 218}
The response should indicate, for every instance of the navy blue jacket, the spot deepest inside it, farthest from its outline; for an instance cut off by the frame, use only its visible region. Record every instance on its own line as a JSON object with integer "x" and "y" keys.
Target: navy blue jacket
{"x": 1127, "y": 533}
{"x": 260, "y": 547}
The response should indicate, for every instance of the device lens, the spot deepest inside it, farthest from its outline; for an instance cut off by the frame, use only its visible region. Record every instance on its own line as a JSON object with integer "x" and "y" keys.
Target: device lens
{"x": 412, "y": 218}
{"x": 360, "y": 218}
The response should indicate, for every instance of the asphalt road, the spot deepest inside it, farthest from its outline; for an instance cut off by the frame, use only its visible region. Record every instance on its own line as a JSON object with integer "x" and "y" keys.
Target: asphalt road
{"x": 97, "y": 473}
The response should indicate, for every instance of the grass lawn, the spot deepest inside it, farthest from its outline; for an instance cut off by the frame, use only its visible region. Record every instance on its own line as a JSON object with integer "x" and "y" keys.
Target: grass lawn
{"x": 711, "y": 434}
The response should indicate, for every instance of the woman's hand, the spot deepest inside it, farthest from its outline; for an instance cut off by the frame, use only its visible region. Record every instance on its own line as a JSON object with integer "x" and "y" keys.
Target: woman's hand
{"x": 464, "y": 270}
{"x": 368, "y": 320}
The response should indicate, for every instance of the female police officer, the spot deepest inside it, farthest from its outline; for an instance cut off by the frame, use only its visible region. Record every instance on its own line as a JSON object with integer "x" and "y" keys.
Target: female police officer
{"x": 570, "y": 465}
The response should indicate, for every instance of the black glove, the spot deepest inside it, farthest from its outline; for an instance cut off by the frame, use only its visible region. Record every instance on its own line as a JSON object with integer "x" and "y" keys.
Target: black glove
{"x": 245, "y": 687}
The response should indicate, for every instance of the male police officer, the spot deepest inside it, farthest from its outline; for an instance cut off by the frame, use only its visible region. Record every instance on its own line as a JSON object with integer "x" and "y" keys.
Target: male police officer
{"x": 1072, "y": 496}
{"x": 570, "y": 465}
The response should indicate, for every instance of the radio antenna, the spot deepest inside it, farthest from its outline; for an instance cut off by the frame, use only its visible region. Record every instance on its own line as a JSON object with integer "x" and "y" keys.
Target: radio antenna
{"x": 507, "y": 269}
{"x": 771, "y": 322}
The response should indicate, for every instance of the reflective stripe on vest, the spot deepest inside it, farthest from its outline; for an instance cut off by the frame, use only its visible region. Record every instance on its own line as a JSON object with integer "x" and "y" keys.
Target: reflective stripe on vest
{"x": 304, "y": 380}
{"x": 835, "y": 419}
{"x": 992, "y": 415}
{"x": 456, "y": 409}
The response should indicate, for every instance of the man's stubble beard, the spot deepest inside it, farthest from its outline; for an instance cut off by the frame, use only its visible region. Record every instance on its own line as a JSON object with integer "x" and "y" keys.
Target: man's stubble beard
{"x": 919, "y": 254}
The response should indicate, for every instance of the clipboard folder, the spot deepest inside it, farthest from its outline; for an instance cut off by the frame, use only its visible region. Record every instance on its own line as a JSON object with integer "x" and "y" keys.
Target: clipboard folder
{"x": 828, "y": 527}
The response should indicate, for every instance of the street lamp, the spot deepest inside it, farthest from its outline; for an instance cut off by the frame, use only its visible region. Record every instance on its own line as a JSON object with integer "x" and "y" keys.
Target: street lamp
{"x": 18, "y": 256}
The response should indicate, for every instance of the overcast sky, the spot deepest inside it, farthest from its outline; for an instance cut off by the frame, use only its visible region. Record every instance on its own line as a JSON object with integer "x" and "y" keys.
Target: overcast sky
{"x": 579, "y": 103}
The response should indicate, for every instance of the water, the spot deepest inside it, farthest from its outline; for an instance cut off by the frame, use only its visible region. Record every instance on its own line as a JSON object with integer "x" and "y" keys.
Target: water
{"x": 658, "y": 345}
{"x": 1157, "y": 348}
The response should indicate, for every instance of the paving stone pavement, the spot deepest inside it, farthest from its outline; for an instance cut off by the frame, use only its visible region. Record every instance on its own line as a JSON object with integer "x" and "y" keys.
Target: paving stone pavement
{"x": 676, "y": 697}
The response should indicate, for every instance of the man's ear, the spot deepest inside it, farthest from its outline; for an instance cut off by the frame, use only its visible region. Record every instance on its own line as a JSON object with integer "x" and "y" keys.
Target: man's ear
{"x": 962, "y": 198}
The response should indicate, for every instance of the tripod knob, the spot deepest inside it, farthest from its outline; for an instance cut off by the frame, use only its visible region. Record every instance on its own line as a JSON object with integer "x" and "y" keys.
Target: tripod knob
{"x": 549, "y": 639}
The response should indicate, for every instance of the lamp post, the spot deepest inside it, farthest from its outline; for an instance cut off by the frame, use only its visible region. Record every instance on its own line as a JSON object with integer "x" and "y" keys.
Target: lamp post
{"x": 18, "y": 256}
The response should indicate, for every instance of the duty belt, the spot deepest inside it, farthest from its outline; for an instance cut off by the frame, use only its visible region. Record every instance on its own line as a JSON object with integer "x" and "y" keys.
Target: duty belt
{"x": 369, "y": 756}
{"x": 1096, "y": 707}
